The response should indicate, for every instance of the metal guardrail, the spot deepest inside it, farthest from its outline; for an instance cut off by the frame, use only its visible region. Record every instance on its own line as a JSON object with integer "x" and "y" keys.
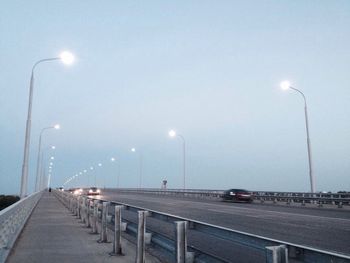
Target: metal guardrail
{"x": 319, "y": 199}
{"x": 12, "y": 221}
{"x": 93, "y": 210}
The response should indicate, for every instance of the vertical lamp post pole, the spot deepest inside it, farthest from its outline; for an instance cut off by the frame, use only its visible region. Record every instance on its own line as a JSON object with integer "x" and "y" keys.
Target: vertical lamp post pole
{"x": 172, "y": 134}
{"x": 38, "y": 163}
{"x": 118, "y": 174}
{"x": 41, "y": 169}
{"x": 50, "y": 172}
{"x": 140, "y": 167}
{"x": 67, "y": 58}
{"x": 285, "y": 85}
{"x": 104, "y": 179}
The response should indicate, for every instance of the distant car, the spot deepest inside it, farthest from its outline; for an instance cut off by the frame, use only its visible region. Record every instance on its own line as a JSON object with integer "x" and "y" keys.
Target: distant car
{"x": 78, "y": 191}
{"x": 238, "y": 195}
{"x": 60, "y": 189}
{"x": 94, "y": 191}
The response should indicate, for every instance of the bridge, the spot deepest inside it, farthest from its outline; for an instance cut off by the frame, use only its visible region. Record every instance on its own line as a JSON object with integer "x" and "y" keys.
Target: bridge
{"x": 155, "y": 225}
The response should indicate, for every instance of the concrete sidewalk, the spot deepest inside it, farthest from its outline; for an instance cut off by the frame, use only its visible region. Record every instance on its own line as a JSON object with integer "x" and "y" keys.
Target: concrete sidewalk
{"x": 53, "y": 234}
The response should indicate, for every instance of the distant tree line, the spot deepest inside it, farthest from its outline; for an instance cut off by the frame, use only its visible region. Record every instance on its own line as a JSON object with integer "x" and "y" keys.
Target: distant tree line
{"x": 7, "y": 200}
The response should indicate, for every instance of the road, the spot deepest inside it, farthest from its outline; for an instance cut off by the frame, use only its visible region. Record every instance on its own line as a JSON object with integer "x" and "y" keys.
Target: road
{"x": 326, "y": 229}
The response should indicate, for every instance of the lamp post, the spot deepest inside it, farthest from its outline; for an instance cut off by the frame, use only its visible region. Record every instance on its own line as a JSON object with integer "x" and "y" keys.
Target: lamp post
{"x": 38, "y": 163}
{"x": 104, "y": 178}
{"x": 140, "y": 167}
{"x": 118, "y": 175}
{"x": 42, "y": 165}
{"x": 46, "y": 180}
{"x": 49, "y": 176}
{"x": 173, "y": 134}
{"x": 94, "y": 174}
{"x": 66, "y": 58}
{"x": 85, "y": 171}
{"x": 285, "y": 85}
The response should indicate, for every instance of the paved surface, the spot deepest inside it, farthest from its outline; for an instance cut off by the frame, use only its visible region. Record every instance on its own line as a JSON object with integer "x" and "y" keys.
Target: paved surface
{"x": 52, "y": 234}
{"x": 326, "y": 229}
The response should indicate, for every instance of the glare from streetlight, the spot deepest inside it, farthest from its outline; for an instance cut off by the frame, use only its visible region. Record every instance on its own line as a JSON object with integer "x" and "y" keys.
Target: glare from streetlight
{"x": 172, "y": 133}
{"x": 285, "y": 85}
{"x": 133, "y": 149}
{"x": 80, "y": 173}
{"x": 85, "y": 171}
{"x": 100, "y": 164}
{"x": 51, "y": 163}
{"x": 91, "y": 168}
{"x": 67, "y": 57}
{"x": 112, "y": 159}
{"x": 57, "y": 126}
{"x": 52, "y": 158}
{"x": 53, "y": 147}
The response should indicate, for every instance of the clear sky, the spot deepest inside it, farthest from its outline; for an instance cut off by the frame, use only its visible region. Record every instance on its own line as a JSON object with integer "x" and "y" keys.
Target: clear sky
{"x": 209, "y": 69}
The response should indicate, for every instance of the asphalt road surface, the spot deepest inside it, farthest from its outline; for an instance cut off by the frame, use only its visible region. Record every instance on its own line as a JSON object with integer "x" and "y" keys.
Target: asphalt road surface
{"x": 321, "y": 228}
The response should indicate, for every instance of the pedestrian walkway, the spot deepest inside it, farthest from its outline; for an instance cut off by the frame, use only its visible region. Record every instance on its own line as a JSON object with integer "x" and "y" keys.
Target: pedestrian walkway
{"x": 53, "y": 234}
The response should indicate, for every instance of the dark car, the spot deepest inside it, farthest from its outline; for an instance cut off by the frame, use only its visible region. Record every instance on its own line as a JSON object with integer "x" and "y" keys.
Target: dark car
{"x": 238, "y": 195}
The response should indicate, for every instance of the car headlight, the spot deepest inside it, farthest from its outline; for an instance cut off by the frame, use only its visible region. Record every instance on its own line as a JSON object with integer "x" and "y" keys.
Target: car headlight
{"x": 90, "y": 191}
{"x": 98, "y": 191}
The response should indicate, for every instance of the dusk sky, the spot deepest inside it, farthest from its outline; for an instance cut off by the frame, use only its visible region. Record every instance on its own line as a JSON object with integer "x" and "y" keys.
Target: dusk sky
{"x": 208, "y": 69}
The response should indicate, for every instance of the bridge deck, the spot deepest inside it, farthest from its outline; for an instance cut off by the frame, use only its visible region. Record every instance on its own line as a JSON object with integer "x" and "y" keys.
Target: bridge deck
{"x": 52, "y": 234}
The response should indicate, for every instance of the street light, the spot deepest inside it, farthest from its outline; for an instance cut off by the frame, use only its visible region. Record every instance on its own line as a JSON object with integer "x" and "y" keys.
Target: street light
{"x": 118, "y": 175}
{"x": 38, "y": 163}
{"x": 285, "y": 85}
{"x": 42, "y": 167}
{"x": 47, "y": 180}
{"x": 173, "y": 134}
{"x": 66, "y": 58}
{"x": 140, "y": 167}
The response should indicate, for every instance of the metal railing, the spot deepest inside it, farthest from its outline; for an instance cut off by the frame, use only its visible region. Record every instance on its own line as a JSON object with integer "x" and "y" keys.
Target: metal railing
{"x": 12, "y": 221}
{"x": 93, "y": 211}
{"x": 320, "y": 199}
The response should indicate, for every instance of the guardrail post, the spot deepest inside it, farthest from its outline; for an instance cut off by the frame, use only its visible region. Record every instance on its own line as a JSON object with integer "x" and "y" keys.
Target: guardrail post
{"x": 277, "y": 254}
{"x": 181, "y": 241}
{"x": 75, "y": 202}
{"x": 83, "y": 215}
{"x": 95, "y": 217}
{"x": 78, "y": 207}
{"x": 117, "y": 242}
{"x": 340, "y": 205}
{"x": 141, "y": 229}
{"x": 88, "y": 217}
{"x": 103, "y": 234}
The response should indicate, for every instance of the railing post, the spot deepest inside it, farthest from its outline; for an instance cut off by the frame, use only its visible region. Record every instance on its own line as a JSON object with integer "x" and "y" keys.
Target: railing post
{"x": 181, "y": 241}
{"x": 117, "y": 241}
{"x": 277, "y": 254}
{"x": 78, "y": 207}
{"x": 141, "y": 230}
{"x": 75, "y": 203}
{"x": 95, "y": 217}
{"x": 82, "y": 209}
{"x": 103, "y": 233}
{"x": 88, "y": 217}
